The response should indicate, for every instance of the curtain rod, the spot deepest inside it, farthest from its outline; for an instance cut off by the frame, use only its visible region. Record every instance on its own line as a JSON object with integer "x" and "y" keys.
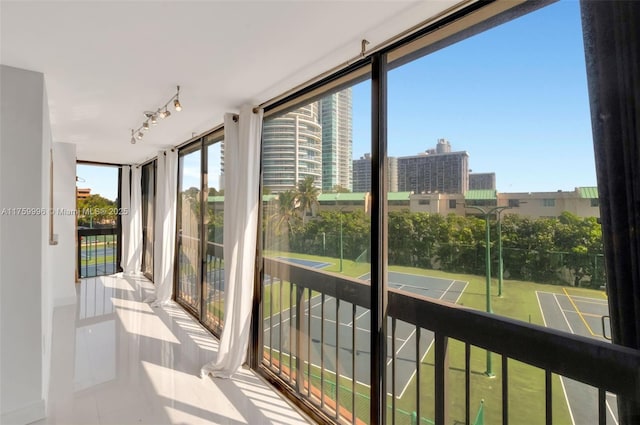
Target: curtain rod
{"x": 365, "y": 53}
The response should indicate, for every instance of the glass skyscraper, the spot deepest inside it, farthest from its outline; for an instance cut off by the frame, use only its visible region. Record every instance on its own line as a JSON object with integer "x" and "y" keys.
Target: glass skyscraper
{"x": 336, "y": 116}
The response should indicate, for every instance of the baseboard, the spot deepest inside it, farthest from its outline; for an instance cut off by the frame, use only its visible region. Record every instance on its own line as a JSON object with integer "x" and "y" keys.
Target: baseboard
{"x": 26, "y": 415}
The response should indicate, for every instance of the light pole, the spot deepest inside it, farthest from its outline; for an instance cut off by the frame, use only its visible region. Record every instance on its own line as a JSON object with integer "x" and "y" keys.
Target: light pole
{"x": 341, "y": 248}
{"x": 487, "y": 214}
{"x": 500, "y": 262}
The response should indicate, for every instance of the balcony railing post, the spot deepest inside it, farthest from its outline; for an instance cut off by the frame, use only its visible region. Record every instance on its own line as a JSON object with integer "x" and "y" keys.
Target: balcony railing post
{"x": 442, "y": 378}
{"x": 300, "y": 339}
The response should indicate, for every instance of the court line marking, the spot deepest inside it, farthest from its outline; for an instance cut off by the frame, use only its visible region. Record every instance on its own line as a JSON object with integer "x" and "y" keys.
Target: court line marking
{"x": 589, "y": 300}
{"x": 564, "y": 390}
{"x": 555, "y": 297}
{"x": 446, "y": 291}
{"x": 326, "y": 370}
{"x": 572, "y": 331}
{"x": 579, "y": 312}
{"x": 432, "y": 339}
{"x": 602, "y": 300}
{"x": 358, "y": 317}
{"x": 586, "y": 314}
{"x": 414, "y": 328}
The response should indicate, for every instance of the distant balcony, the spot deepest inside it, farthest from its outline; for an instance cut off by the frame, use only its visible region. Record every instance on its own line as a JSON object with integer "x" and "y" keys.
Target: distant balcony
{"x": 97, "y": 251}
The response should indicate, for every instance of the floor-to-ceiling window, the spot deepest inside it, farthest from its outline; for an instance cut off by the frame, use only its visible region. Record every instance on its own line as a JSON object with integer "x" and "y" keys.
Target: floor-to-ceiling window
{"x": 189, "y": 228}
{"x": 98, "y": 217}
{"x": 148, "y": 216}
{"x": 200, "y": 271}
{"x": 316, "y": 236}
{"x": 484, "y": 208}
{"x": 492, "y": 139}
{"x": 213, "y": 282}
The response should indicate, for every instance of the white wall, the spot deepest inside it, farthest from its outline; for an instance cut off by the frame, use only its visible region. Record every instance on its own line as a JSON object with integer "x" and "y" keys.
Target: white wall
{"x": 21, "y": 332}
{"x": 45, "y": 279}
{"x": 63, "y": 255}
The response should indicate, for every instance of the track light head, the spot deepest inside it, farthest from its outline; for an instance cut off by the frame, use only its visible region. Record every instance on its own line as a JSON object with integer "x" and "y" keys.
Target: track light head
{"x": 151, "y": 117}
{"x": 176, "y": 103}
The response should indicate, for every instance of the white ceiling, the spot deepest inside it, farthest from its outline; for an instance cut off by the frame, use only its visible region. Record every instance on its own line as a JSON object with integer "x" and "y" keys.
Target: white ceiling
{"x": 107, "y": 62}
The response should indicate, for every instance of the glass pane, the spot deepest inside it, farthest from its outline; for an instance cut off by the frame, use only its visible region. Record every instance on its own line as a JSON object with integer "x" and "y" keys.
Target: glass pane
{"x": 148, "y": 217}
{"x": 97, "y": 215}
{"x": 189, "y": 229}
{"x": 490, "y": 147}
{"x": 316, "y": 227}
{"x": 214, "y": 219}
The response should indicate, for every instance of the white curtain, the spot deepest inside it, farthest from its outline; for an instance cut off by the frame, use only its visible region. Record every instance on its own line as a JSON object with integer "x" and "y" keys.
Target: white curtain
{"x": 165, "y": 228}
{"x": 133, "y": 238}
{"x": 241, "y": 207}
{"x": 125, "y": 204}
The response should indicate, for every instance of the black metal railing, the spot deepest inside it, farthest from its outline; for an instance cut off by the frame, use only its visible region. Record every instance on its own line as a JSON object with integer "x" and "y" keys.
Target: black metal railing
{"x": 97, "y": 251}
{"x": 214, "y": 288}
{"x": 206, "y": 303}
{"x": 188, "y": 273}
{"x": 312, "y": 348}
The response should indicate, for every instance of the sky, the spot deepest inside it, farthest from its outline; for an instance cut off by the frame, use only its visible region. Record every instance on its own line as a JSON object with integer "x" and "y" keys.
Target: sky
{"x": 514, "y": 97}
{"x": 102, "y": 180}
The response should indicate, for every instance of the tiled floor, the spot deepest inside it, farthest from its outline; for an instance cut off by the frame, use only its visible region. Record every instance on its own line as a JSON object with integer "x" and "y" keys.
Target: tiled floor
{"x": 116, "y": 360}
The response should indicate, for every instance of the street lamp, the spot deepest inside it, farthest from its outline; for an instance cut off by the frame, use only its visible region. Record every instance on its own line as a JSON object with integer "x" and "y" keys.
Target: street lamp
{"x": 500, "y": 261}
{"x": 487, "y": 214}
{"x": 341, "y": 249}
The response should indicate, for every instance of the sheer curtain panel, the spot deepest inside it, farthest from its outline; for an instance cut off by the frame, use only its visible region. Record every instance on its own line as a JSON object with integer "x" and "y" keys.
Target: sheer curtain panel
{"x": 165, "y": 228}
{"x": 133, "y": 237}
{"x": 241, "y": 208}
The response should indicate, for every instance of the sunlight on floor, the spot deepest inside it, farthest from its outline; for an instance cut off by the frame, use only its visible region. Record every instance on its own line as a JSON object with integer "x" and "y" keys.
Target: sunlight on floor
{"x": 116, "y": 360}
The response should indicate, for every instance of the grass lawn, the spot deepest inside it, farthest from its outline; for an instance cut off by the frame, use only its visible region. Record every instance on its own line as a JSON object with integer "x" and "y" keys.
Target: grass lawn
{"x": 526, "y": 383}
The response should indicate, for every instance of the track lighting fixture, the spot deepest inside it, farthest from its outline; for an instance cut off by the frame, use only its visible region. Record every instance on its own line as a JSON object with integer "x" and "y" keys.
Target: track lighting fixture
{"x": 152, "y": 116}
{"x": 176, "y": 103}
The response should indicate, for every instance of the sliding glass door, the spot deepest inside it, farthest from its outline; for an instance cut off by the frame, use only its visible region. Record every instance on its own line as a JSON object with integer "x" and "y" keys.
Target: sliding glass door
{"x": 213, "y": 285}
{"x": 189, "y": 228}
{"x": 148, "y": 217}
{"x": 200, "y": 274}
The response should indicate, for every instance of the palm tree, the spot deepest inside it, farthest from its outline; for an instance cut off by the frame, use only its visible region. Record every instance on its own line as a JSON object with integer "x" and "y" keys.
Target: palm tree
{"x": 286, "y": 214}
{"x": 307, "y": 195}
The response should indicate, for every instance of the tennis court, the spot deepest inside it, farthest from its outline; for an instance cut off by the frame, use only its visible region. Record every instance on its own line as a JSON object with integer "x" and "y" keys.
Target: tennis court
{"x": 307, "y": 263}
{"x": 579, "y": 315}
{"x": 334, "y": 323}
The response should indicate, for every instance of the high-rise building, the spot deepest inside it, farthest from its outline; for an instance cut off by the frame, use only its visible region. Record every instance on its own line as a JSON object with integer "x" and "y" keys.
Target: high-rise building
{"x": 443, "y": 146}
{"x": 446, "y": 172}
{"x": 362, "y": 174}
{"x": 336, "y": 118}
{"x": 292, "y": 149}
{"x": 479, "y": 181}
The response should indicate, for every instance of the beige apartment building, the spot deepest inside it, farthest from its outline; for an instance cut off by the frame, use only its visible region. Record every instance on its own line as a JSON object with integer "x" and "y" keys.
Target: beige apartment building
{"x": 582, "y": 201}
